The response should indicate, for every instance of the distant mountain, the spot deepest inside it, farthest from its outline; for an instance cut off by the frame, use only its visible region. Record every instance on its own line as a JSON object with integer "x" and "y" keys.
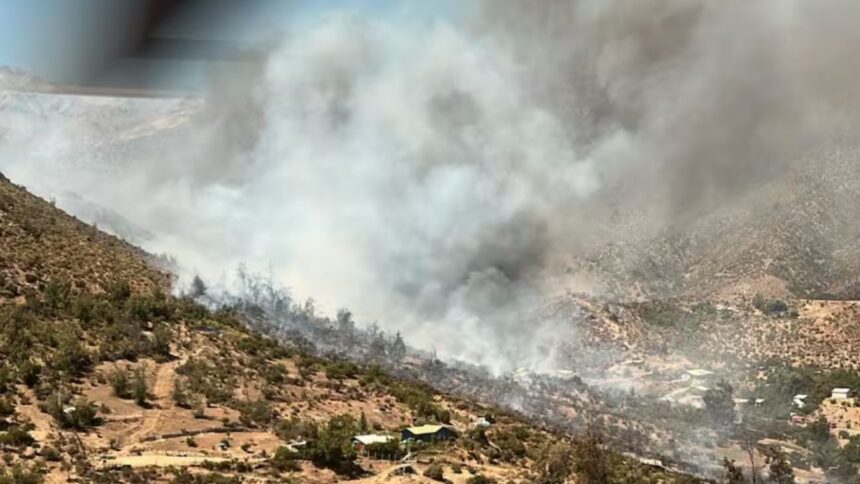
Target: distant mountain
{"x": 796, "y": 234}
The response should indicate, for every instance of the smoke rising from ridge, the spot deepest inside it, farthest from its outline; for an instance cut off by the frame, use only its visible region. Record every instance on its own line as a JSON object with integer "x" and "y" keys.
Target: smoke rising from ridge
{"x": 429, "y": 174}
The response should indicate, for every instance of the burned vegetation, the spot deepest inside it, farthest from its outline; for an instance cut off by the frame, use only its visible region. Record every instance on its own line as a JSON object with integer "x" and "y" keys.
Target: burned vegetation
{"x": 108, "y": 377}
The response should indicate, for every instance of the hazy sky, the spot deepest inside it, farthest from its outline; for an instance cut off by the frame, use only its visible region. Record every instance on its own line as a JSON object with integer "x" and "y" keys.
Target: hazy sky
{"x": 39, "y": 35}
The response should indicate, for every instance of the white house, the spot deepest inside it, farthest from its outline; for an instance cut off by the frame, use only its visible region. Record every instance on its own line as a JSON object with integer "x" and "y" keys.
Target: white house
{"x": 482, "y": 423}
{"x": 840, "y": 393}
{"x": 371, "y": 439}
{"x": 799, "y": 400}
{"x": 699, "y": 373}
{"x": 696, "y": 376}
{"x": 692, "y": 400}
{"x": 361, "y": 442}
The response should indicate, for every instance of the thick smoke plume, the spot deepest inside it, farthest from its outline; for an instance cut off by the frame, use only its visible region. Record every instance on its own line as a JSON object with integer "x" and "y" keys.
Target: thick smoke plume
{"x": 430, "y": 174}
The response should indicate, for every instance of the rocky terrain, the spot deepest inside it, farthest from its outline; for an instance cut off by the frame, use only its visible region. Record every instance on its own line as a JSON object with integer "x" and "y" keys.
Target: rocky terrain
{"x": 106, "y": 377}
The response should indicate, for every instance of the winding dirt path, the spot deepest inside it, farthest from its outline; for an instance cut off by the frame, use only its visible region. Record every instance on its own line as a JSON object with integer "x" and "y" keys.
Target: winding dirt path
{"x": 162, "y": 387}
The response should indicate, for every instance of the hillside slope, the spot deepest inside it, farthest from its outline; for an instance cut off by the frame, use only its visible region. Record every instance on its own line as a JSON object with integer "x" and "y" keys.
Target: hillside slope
{"x": 105, "y": 377}
{"x": 797, "y": 230}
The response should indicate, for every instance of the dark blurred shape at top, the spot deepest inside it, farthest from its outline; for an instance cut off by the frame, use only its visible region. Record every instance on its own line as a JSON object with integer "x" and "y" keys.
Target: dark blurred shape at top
{"x": 142, "y": 47}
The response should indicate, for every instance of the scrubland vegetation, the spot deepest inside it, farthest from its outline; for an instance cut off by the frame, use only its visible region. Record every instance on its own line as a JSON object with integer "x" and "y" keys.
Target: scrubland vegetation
{"x": 81, "y": 311}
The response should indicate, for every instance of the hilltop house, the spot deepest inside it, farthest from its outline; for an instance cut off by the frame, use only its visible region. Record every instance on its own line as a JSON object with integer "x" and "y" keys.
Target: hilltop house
{"x": 429, "y": 433}
{"x": 840, "y": 393}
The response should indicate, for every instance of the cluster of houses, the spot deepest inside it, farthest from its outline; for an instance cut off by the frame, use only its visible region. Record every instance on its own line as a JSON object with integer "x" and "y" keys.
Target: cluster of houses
{"x": 799, "y": 402}
{"x": 697, "y": 382}
{"x": 422, "y": 433}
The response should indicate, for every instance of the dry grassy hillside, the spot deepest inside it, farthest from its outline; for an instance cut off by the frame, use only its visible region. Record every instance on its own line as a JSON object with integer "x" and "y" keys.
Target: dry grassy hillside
{"x": 41, "y": 245}
{"x": 105, "y": 377}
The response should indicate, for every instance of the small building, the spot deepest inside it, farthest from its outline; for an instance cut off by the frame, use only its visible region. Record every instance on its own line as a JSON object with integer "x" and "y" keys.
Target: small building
{"x": 482, "y": 423}
{"x": 697, "y": 376}
{"x": 699, "y": 373}
{"x": 297, "y": 444}
{"x": 799, "y": 401}
{"x": 840, "y": 393}
{"x": 695, "y": 401}
{"x": 360, "y": 442}
{"x": 759, "y": 402}
{"x": 429, "y": 433}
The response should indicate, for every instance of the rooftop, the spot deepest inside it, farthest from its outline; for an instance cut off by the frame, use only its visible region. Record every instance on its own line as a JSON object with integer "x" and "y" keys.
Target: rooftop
{"x": 427, "y": 429}
{"x": 372, "y": 439}
{"x": 699, "y": 372}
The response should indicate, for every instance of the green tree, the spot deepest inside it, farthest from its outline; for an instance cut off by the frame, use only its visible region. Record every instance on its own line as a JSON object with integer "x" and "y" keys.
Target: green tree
{"x": 295, "y": 428}
{"x": 819, "y": 430}
{"x": 139, "y": 387}
{"x": 333, "y": 446}
{"x": 285, "y": 460}
{"x": 120, "y": 382}
{"x": 19, "y": 474}
{"x": 556, "y": 464}
{"x": 435, "y": 472}
{"x": 181, "y": 395}
{"x": 592, "y": 461}
{"x": 720, "y": 403}
{"x": 79, "y": 414}
{"x": 17, "y": 436}
{"x": 259, "y": 413}
{"x": 780, "y": 469}
{"x": 161, "y": 338}
{"x": 362, "y": 423}
{"x": 480, "y": 479}
{"x": 71, "y": 358}
{"x": 851, "y": 451}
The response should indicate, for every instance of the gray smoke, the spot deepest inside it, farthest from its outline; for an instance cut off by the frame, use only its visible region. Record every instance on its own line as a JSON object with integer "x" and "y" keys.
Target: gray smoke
{"x": 697, "y": 100}
{"x": 430, "y": 174}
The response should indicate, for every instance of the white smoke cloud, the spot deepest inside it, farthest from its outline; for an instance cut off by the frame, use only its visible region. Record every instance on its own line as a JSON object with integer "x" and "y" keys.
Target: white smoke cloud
{"x": 410, "y": 178}
{"x": 425, "y": 175}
